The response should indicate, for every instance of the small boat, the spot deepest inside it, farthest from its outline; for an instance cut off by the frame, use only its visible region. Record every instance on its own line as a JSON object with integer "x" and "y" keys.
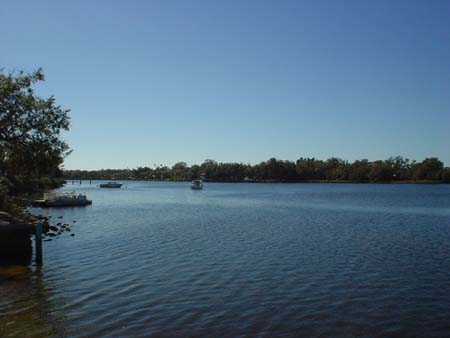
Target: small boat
{"x": 197, "y": 184}
{"x": 111, "y": 185}
{"x": 70, "y": 199}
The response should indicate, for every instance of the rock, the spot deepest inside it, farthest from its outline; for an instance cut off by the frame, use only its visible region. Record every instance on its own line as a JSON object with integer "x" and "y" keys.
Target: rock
{"x": 72, "y": 235}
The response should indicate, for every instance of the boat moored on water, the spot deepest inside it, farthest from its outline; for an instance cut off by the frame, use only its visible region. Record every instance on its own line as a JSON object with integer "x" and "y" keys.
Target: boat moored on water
{"x": 69, "y": 199}
{"x": 197, "y": 184}
{"x": 111, "y": 185}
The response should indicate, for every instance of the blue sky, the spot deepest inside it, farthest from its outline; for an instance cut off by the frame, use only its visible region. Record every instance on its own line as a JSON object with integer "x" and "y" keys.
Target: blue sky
{"x": 166, "y": 81}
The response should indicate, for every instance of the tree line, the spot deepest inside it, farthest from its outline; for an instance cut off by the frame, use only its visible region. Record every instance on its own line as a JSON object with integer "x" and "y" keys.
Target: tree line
{"x": 393, "y": 169}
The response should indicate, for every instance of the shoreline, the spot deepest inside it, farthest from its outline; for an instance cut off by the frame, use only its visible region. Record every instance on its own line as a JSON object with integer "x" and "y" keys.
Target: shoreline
{"x": 268, "y": 181}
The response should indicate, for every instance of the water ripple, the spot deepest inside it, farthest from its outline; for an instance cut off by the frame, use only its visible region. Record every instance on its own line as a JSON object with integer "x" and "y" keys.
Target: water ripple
{"x": 236, "y": 260}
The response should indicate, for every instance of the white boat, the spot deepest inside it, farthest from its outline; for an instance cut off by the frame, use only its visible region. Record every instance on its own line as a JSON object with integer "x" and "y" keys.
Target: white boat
{"x": 69, "y": 199}
{"x": 197, "y": 184}
{"x": 111, "y": 185}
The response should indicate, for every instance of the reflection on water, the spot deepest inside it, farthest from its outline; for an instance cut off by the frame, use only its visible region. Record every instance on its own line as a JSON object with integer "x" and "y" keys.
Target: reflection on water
{"x": 25, "y": 305}
{"x": 233, "y": 260}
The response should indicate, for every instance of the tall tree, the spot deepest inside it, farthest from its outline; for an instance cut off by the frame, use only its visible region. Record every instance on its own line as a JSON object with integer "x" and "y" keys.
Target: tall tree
{"x": 429, "y": 169}
{"x": 30, "y": 128}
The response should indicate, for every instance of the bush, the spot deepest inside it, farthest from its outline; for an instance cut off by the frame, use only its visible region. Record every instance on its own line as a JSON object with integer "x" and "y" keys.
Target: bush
{"x": 446, "y": 175}
{"x": 4, "y": 190}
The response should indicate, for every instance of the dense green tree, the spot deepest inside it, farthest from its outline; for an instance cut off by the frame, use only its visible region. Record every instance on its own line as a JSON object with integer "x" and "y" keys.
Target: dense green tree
{"x": 195, "y": 172}
{"x": 359, "y": 171}
{"x": 308, "y": 169}
{"x": 274, "y": 170}
{"x": 380, "y": 171}
{"x": 446, "y": 175}
{"x": 31, "y": 149}
{"x": 429, "y": 169}
{"x": 181, "y": 172}
{"x": 209, "y": 168}
{"x": 335, "y": 169}
{"x": 400, "y": 168}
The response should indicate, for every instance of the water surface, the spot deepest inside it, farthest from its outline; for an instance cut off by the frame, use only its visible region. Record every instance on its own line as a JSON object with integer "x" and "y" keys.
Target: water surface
{"x": 156, "y": 259}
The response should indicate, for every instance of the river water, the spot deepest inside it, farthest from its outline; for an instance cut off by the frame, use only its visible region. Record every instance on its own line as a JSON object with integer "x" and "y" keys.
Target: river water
{"x": 157, "y": 259}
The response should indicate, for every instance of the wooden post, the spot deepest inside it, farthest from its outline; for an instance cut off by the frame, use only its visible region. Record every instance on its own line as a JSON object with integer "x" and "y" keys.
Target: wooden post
{"x": 38, "y": 242}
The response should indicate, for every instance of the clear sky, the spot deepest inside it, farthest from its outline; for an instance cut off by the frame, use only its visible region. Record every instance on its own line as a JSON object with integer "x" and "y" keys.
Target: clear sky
{"x": 165, "y": 81}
